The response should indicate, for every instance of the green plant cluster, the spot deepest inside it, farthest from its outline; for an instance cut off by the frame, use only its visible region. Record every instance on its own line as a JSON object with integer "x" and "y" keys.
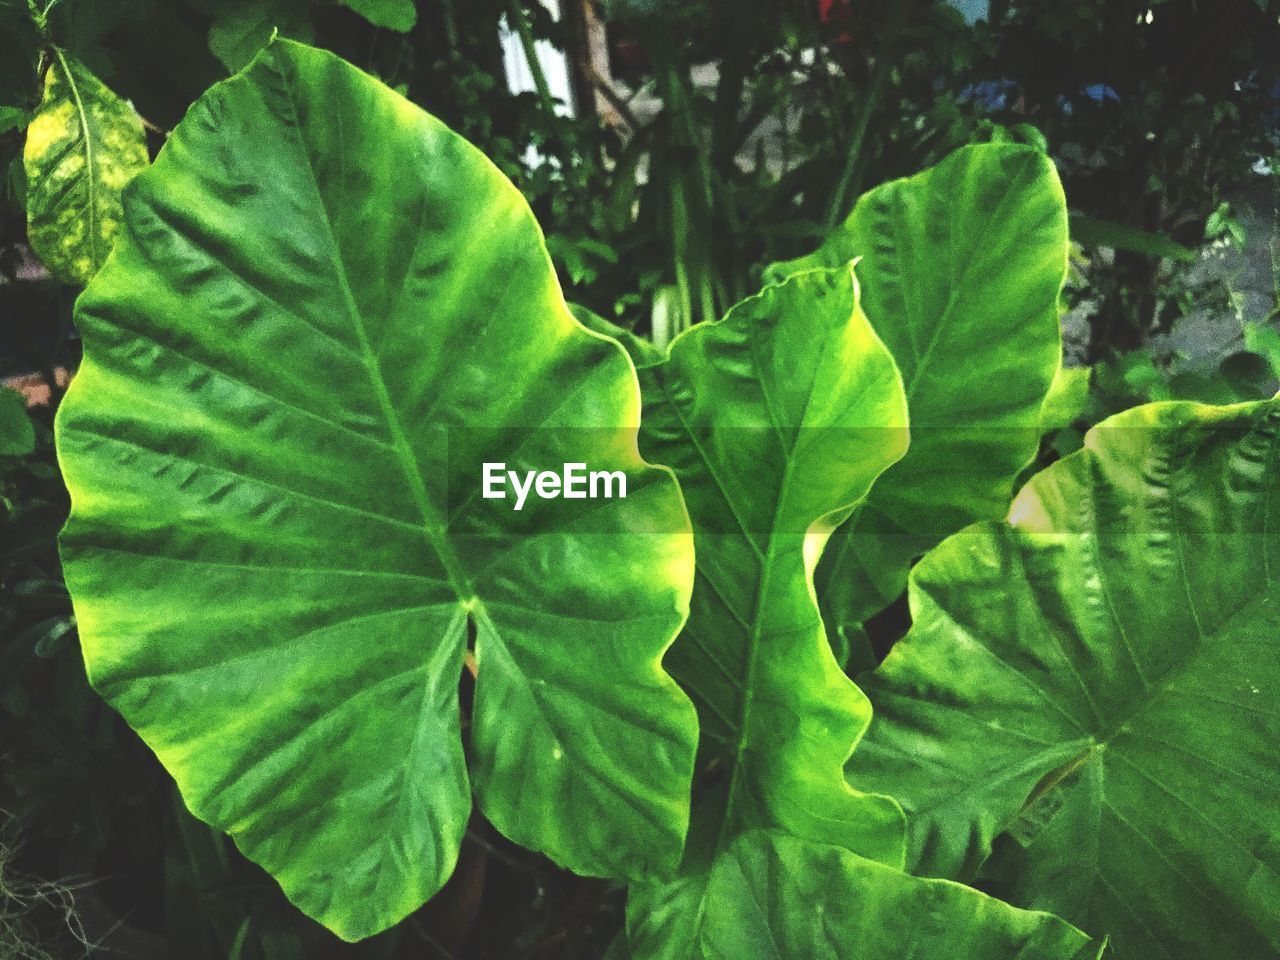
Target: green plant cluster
{"x": 819, "y": 439}
{"x": 299, "y": 354}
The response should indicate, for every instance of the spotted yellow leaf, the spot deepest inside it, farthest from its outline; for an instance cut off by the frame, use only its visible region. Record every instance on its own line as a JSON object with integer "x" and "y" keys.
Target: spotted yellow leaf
{"x": 83, "y": 145}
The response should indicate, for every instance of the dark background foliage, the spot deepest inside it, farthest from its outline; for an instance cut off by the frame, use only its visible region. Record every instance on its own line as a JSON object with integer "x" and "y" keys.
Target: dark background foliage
{"x": 717, "y": 136}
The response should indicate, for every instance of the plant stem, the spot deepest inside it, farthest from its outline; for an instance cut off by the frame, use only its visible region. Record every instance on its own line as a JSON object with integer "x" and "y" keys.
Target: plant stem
{"x": 527, "y": 43}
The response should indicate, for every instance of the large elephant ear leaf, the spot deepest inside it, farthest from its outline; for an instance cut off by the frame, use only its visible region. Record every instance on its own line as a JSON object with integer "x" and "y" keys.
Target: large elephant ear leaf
{"x": 961, "y": 267}
{"x": 822, "y": 900}
{"x": 777, "y": 421}
{"x": 1101, "y": 676}
{"x": 83, "y": 145}
{"x": 325, "y": 313}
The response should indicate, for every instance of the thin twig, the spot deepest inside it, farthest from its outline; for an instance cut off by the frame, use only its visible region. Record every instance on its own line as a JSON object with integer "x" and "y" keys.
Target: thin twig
{"x": 615, "y": 99}
{"x": 157, "y": 130}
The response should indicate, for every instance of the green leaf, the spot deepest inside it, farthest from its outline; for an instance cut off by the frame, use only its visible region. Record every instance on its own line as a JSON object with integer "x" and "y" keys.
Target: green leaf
{"x": 1264, "y": 340}
{"x": 618, "y": 948}
{"x": 776, "y": 420}
{"x": 1067, "y": 400}
{"x": 821, "y": 900}
{"x": 1221, "y": 223}
{"x": 83, "y": 145}
{"x": 397, "y": 15}
{"x": 20, "y": 47}
{"x": 961, "y": 267}
{"x": 1109, "y": 661}
{"x": 1116, "y": 236}
{"x": 13, "y": 118}
{"x": 642, "y": 351}
{"x": 17, "y": 434}
{"x": 243, "y": 27}
{"x": 327, "y": 312}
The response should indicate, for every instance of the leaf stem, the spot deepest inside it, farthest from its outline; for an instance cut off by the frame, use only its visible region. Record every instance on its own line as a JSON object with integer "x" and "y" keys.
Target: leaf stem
{"x": 527, "y": 43}
{"x": 1054, "y": 778}
{"x": 91, "y": 206}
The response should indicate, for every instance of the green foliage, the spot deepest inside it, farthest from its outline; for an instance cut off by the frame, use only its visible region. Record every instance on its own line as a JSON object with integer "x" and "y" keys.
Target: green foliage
{"x": 642, "y": 352}
{"x": 822, "y": 898}
{"x": 776, "y": 420}
{"x": 656, "y": 221}
{"x": 1117, "y": 236}
{"x": 1098, "y": 676}
{"x": 961, "y": 267}
{"x": 1142, "y": 105}
{"x": 83, "y": 145}
{"x": 17, "y": 435}
{"x": 1221, "y": 224}
{"x": 398, "y": 15}
{"x": 280, "y": 559}
{"x": 243, "y": 27}
{"x": 249, "y": 533}
{"x": 206, "y": 480}
{"x": 13, "y": 118}
{"x": 1067, "y": 400}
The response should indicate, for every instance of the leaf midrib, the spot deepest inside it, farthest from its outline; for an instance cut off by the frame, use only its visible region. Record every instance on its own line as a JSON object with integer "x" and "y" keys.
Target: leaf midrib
{"x": 1054, "y": 779}
{"x": 469, "y": 603}
{"x": 1155, "y": 691}
{"x": 401, "y": 447}
{"x": 91, "y": 203}
{"x": 770, "y": 557}
{"x": 1099, "y": 742}
{"x": 923, "y": 359}
{"x": 1170, "y": 679}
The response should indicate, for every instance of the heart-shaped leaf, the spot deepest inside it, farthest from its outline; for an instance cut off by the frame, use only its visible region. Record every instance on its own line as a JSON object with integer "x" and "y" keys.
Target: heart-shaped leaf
{"x": 326, "y": 313}
{"x": 961, "y": 267}
{"x": 1103, "y": 675}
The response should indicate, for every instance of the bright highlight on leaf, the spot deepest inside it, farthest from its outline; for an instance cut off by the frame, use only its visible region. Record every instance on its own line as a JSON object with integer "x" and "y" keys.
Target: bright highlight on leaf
{"x": 327, "y": 557}
{"x": 327, "y": 311}
{"x": 83, "y": 145}
{"x": 1102, "y": 678}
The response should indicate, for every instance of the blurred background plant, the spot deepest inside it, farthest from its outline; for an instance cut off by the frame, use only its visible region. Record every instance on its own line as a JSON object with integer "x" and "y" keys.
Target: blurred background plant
{"x": 671, "y": 150}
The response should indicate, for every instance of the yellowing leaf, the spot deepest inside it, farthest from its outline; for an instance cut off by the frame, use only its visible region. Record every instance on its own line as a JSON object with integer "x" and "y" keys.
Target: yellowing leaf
{"x": 83, "y": 146}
